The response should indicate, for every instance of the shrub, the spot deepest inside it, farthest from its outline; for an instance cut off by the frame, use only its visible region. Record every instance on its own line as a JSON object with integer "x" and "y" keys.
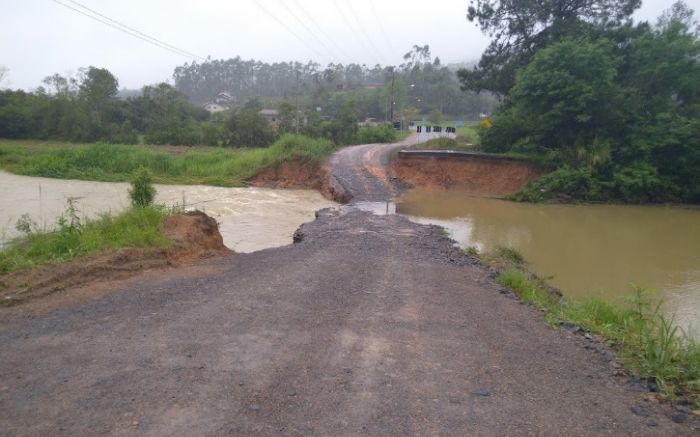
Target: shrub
{"x": 142, "y": 191}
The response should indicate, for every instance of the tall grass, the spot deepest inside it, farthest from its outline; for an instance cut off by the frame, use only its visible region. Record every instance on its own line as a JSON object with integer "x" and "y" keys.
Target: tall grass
{"x": 647, "y": 341}
{"x": 136, "y": 227}
{"x": 112, "y": 163}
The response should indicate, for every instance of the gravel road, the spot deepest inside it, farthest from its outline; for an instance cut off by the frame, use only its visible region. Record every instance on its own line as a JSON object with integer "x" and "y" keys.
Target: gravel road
{"x": 369, "y": 325}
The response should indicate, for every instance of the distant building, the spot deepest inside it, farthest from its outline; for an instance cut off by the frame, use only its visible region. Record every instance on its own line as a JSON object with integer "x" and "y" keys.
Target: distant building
{"x": 271, "y": 115}
{"x": 225, "y": 97}
{"x": 214, "y": 107}
{"x": 369, "y": 121}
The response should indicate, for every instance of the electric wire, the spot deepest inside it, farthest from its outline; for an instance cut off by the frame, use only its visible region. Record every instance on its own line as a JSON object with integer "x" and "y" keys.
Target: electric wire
{"x": 320, "y": 29}
{"x": 363, "y": 30}
{"x": 381, "y": 27}
{"x": 126, "y": 30}
{"x": 354, "y": 32}
{"x": 288, "y": 29}
{"x": 309, "y": 30}
{"x": 134, "y": 30}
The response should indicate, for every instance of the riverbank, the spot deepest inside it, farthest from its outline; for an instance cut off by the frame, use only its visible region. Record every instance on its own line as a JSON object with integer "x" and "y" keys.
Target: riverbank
{"x": 112, "y": 247}
{"x": 116, "y": 163}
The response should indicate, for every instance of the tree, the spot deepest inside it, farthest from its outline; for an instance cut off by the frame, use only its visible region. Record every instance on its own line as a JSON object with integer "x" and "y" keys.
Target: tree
{"x": 287, "y": 119}
{"x": 520, "y": 28}
{"x": 435, "y": 116}
{"x": 4, "y": 73}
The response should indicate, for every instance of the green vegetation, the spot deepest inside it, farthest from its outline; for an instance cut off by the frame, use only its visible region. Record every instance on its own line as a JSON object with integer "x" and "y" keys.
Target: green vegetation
{"x": 105, "y": 162}
{"x": 136, "y": 227}
{"x": 142, "y": 191}
{"x": 613, "y": 106}
{"x": 445, "y": 143}
{"x": 646, "y": 341}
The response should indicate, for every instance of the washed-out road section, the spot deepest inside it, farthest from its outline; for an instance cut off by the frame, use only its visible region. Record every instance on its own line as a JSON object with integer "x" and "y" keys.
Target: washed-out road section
{"x": 368, "y": 325}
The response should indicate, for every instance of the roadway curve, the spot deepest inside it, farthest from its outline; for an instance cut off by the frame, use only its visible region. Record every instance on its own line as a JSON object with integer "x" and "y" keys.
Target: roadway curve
{"x": 359, "y": 172}
{"x": 368, "y": 325}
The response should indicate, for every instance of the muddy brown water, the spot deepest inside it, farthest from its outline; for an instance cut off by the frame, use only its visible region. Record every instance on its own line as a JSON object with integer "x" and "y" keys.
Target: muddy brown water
{"x": 587, "y": 250}
{"x": 249, "y": 219}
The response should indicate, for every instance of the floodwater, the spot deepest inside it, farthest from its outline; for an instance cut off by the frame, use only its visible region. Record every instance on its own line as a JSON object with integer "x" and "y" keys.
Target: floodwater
{"x": 585, "y": 250}
{"x": 249, "y": 219}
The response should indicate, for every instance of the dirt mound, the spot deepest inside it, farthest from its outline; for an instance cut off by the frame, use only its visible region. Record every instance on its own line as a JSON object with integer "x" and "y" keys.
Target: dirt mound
{"x": 479, "y": 175}
{"x": 194, "y": 235}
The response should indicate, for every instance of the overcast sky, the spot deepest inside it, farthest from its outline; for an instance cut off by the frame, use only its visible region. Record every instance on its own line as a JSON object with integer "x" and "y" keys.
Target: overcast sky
{"x": 42, "y": 37}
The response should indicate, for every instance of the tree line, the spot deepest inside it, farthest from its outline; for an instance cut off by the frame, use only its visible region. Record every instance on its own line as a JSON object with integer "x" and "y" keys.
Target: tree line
{"x": 86, "y": 108}
{"x": 613, "y": 105}
{"x": 421, "y": 83}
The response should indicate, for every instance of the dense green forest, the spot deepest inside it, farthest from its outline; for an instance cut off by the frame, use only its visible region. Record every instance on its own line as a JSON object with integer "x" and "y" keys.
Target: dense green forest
{"x": 87, "y": 107}
{"x": 612, "y": 105}
{"x": 420, "y": 82}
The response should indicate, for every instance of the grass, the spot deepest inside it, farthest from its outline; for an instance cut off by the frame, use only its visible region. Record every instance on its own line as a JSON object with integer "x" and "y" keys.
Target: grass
{"x": 136, "y": 227}
{"x": 116, "y": 163}
{"x": 646, "y": 341}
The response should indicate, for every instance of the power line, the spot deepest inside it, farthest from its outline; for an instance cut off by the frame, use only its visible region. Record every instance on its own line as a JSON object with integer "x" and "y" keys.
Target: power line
{"x": 135, "y": 30}
{"x": 311, "y": 32}
{"x": 354, "y": 32}
{"x": 152, "y": 41}
{"x": 320, "y": 29}
{"x": 283, "y": 24}
{"x": 362, "y": 29}
{"x": 381, "y": 26}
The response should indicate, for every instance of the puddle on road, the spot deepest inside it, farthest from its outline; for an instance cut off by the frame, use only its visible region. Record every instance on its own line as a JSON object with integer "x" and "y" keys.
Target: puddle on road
{"x": 250, "y": 218}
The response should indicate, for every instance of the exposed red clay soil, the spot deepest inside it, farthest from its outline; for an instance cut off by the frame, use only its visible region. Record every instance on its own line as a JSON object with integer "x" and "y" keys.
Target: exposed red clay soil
{"x": 194, "y": 236}
{"x": 297, "y": 174}
{"x": 478, "y": 175}
{"x": 291, "y": 174}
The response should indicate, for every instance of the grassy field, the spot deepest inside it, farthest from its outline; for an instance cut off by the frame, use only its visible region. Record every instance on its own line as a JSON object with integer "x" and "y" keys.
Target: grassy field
{"x": 136, "y": 227}
{"x": 169, "y": 165}
{"x": 646, "y": 341}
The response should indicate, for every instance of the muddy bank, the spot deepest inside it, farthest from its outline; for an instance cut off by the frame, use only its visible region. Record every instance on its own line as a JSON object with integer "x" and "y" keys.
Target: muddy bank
{"x": 194, "y": 235}
{"x": 297, "y": 174}
{"x": 477, "y": 175}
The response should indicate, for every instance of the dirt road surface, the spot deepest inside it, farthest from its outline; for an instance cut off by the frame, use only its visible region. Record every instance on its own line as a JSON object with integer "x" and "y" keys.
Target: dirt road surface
{"x": 369, "y": 325}
{"x": 361, "y": 170}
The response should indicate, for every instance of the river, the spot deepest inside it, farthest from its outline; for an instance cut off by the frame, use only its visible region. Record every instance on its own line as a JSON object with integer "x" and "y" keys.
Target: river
{"x": 584, "y": 250}
{"x": 249, "y": 219}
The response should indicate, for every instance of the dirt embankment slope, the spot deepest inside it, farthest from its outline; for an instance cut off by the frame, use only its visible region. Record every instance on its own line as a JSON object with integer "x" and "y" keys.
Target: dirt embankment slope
{"x": 194, "y": 235}
{"x": 478, "y": 175}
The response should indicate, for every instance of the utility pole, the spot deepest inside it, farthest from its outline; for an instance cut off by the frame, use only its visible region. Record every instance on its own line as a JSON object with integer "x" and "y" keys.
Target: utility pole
{"x": 391, "y": 109}
{"x": 296, "y": 127}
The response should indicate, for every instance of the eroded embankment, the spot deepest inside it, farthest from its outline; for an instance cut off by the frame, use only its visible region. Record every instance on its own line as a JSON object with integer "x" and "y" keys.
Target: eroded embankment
{"x": 481, "y": 175}
{"x": 297, "y": 174}
{"x": 194, "y": 235}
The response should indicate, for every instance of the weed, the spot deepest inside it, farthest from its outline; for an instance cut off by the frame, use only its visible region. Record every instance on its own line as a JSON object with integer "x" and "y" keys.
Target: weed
{"x": 472, "y": 251}
{"x": 112, "y": 163}
{"x": 647, "y": 341}
{"x": 510, "y": 254}
{"x": 137, "y": 227}
{"x": 142, "y": 191}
